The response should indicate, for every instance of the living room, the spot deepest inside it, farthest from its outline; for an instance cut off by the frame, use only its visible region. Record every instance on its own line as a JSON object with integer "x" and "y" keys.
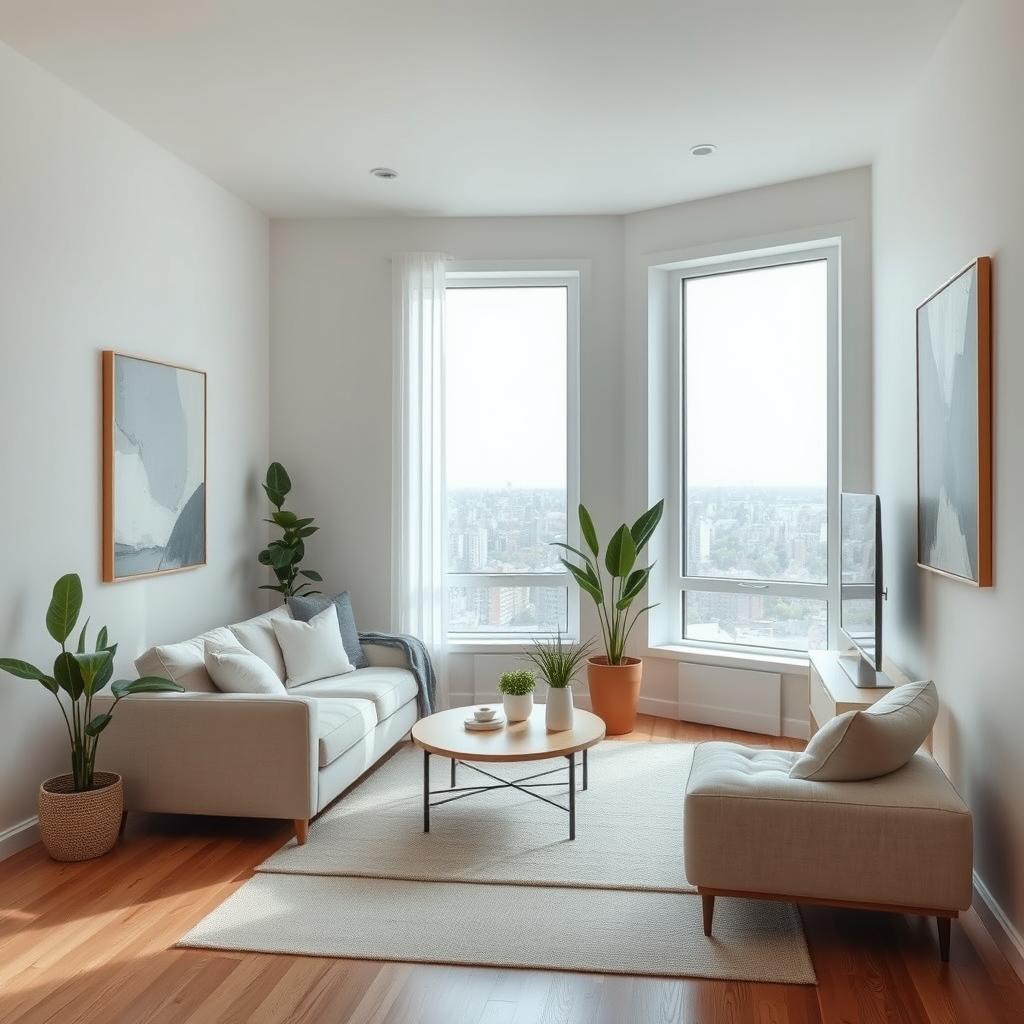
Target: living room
{"x": 396, "y": 393}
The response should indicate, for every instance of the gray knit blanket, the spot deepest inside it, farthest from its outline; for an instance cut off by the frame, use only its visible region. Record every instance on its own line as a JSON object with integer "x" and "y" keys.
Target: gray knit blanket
{"x": 419, "y": 664}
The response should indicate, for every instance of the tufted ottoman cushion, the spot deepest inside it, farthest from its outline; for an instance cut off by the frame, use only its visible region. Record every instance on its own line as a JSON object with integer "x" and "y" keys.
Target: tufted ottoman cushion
{"x": 901, "y": 840}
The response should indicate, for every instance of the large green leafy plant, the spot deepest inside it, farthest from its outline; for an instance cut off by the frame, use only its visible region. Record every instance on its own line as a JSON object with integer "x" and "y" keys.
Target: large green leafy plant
{"x": 78, "y": 676}
{"x": 626, "y": 581}
{"x": 285, "y": 554}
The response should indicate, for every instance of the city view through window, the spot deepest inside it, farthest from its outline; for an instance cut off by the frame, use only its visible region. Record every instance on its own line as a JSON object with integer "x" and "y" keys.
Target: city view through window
{"x": 755, "y": 462}
{"x": 507, "y": 455}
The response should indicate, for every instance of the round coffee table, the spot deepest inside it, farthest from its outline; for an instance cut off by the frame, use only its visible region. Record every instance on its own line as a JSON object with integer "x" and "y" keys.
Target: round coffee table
{"x": 445, "y": 735}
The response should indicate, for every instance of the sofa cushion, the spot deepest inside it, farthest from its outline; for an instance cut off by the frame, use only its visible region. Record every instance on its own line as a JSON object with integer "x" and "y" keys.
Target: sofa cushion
{"x": 183, "y": 662}
{"x": 341, "y": 724}
{"x": 233, "y": 669}
{"x": 388, "y": 688}
{"x": 312, "y": 650}
{"x": 903, "y": 839}
{"x": 865, "y": 744}
{"x": 257, "y": 635}
{"x": 304, "y": 608}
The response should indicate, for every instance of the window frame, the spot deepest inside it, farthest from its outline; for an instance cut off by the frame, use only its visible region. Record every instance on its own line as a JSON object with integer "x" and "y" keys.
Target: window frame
{"x": 532, "y": 275}
{"x": 674, "y": 584}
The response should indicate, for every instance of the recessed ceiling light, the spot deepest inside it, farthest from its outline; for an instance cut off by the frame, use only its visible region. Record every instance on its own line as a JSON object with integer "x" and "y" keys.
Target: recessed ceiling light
{"x": 704, "y": 149}
{"x": 384, "y": 172}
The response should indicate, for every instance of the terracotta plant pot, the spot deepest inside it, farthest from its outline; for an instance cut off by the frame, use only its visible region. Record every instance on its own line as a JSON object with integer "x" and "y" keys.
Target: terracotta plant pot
{"x": 614, "y": 692}
{"x": 80, "y": 826}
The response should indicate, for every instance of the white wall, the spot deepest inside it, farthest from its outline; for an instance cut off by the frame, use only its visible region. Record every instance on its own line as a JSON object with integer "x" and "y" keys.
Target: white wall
{"x": 106, "y": 241}
{"x": 831, "y": 205}
{"x": 949, "y": 186}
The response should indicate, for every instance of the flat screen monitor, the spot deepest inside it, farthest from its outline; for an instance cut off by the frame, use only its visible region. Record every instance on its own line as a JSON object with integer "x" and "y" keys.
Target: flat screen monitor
{"x": 860, "y": 591}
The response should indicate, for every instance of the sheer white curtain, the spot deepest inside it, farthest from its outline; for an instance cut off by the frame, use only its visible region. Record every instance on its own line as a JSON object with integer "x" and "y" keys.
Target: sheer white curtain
{"x": 419, "y": 525}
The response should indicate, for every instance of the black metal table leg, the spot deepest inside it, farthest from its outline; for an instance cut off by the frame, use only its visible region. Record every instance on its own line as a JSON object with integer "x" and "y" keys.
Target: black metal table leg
{"x": 572, "y": 796}
{"x": 426, "y": 790}
{"x": 454, "y": 762}
{"x": 584, "y": 767}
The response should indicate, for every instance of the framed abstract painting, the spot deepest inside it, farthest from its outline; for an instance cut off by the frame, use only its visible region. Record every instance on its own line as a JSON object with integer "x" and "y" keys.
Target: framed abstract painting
{"x": 154, "y": 467}
{"x": 954, "y": 427}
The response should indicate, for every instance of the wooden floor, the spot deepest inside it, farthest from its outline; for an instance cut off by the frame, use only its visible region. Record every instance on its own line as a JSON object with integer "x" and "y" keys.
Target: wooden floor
{"x": 93, "y": 943}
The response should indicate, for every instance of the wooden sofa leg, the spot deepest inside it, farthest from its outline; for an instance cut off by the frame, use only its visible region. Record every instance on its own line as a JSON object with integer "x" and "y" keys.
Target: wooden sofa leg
{"x": 301, "y": 830}
{"x": 944, "y": 924}
{"x": 708, "y": 903}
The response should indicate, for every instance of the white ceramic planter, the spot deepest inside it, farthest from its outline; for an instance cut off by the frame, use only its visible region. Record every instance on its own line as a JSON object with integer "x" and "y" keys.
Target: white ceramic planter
{"x": 518, "y": 707}
{"x": 558, "y": 713}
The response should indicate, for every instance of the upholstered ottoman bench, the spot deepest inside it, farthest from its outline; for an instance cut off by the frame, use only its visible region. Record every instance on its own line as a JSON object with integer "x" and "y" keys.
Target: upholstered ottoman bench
{"x": 900, "y": 842}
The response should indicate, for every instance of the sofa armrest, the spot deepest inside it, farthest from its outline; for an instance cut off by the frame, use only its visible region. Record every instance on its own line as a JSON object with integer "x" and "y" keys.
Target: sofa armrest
{"x": 250, "y": 755}
{"x": 381, "y": 656}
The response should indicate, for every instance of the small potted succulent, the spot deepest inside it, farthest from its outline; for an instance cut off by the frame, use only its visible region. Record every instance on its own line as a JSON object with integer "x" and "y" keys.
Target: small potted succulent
{"x": 80, "y": 813}
{"x": 557, "y": 662}
{"x": 517, "y": 693}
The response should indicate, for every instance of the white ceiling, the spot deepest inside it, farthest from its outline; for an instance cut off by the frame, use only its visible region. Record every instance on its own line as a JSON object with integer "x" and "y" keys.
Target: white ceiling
{"x": 490, "y": 107}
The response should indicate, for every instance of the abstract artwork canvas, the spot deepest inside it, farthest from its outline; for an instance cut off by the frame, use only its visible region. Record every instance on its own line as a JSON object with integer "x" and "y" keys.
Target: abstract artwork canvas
{"x": 954, "y": 427}
{"x": 154, "y": 467}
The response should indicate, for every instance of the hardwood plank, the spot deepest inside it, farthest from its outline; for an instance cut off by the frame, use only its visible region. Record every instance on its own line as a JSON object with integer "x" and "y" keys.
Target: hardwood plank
{"x": 93, "y": 943}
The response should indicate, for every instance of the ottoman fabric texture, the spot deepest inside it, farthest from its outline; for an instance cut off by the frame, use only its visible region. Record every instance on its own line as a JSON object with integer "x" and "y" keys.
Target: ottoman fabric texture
{"x": 904, "y": 839}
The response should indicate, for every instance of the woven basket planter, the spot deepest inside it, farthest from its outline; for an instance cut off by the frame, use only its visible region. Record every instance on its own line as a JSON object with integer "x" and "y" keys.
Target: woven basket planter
{"x": 80, "y": 826}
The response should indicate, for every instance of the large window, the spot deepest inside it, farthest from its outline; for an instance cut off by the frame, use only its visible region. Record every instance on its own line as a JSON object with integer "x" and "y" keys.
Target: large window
{"x": 510, "y": 423}
{"x": 756, "y": 480}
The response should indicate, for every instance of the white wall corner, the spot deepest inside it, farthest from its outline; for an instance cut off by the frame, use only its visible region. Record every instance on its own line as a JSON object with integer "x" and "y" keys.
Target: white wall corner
{"x": 18, "y": 837}
{"x": 1004, "y": 934}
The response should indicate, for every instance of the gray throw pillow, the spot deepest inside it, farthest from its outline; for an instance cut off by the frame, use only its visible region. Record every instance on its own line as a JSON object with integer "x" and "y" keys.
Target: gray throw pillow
{"x": 866, "y": 744}
{"x": 304, "y": 608}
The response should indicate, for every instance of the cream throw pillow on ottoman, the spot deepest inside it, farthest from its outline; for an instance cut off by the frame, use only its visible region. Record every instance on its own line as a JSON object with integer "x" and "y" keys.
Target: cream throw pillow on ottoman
{"x": 312, "y": 650}
{"x": 878, "y": 740}
{"x": 233, "y": 669}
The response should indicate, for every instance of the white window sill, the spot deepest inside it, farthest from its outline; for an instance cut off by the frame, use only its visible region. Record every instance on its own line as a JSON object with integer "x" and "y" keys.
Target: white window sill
{"x": 766, "y": 662}
{"x": 495, "y": 645}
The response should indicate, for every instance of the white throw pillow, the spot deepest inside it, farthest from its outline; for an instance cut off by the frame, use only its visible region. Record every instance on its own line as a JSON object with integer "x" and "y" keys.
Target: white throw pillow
{"x": 866, "y": 744}
{"x": 312, "y": 650}
{"x": 233, "y": 669}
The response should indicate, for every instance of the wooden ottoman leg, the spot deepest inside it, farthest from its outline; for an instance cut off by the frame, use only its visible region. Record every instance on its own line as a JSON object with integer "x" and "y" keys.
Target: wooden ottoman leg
{"x": 301, "y": 830}
{"x": 944, "y": 924}
{"x": 709, "y": 911}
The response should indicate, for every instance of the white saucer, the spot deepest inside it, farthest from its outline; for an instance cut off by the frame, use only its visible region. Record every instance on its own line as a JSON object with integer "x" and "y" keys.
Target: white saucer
{"x": 474, "y": 726}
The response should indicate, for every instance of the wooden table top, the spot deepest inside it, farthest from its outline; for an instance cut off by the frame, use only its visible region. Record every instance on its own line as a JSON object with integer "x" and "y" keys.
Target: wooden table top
{"x": 444, "y": 733}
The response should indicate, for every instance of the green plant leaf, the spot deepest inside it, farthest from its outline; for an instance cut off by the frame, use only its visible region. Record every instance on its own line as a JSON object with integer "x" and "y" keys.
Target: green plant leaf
{"x": 68, "y": 674}
{"x": 307, "y": 531}
{"x": 584, "y": 581}
{"x": 279, "y": 589}
{"x": 281, "y": 557}
{"x": 299, "y": 523}
{"x": 311, "y": 574}
{"x": 277, "y": 480}
{"x": 621, "y": 553}
{"x": 101, "y": 640}
{"x": 264, "y": 557}
{"x": 285, "y": 519}
{"x": 275, "y": 498}
{"x": 645, "y": 526}
{"x": 147, "y": 684}
{"x": 90, "y": 666}
{"x": 25, "y": 670}
{"x": 81, "y": 638}
{"x": 575, "y": 551}
{"x": 65, "y": 604}
{"x": 587, "y": 528}
{"x": 636, "y": 582}
{"x": 98, "y": 724}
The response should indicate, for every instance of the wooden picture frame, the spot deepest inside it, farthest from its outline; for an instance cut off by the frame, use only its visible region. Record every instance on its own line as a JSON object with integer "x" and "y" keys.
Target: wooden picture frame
{"x": 154, "y": 515}
{"x": 954, "y": 426}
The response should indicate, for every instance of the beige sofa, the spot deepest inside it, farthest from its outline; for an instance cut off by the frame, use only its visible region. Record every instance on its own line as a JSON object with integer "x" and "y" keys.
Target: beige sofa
{"x": 901, "y": 842}
{"x": 264, "y": 756}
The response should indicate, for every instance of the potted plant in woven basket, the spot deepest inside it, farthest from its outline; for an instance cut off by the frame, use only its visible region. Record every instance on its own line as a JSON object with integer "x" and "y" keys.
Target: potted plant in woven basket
{"x": 80, "y": 813}
{"x": 614, "y": 677}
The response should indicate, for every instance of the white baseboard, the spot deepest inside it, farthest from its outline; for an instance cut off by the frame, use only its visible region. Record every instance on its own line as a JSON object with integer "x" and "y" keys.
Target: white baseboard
{"x": 1000, "y": 927}
{"x": 18, "y": 837}
{"x": 796, "y": 728}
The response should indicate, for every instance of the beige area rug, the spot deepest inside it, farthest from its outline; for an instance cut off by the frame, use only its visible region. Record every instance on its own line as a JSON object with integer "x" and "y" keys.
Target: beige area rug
{"x": 370, "y": 884}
